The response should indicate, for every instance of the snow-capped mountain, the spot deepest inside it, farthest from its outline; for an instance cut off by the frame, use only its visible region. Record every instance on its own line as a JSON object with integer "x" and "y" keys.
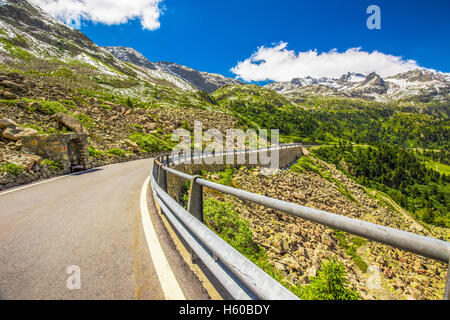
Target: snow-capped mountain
{"x": 420, "y": 84}
{"x": 131, "y": 55}
{"x": 27, "y": 31}
{"x": 204, "y": 81}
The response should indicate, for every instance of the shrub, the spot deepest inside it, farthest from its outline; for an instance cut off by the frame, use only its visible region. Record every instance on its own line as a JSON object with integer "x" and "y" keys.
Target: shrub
{"x": 117, "y": 152}
{"x": 12, "y": 168}
{"x": 350, "y": 248}
{"x": 54, "y": 165}
{"x": 305, "y": 164}
{"x": 226, "y": 177}
{"x": 85, "y": 120}
{"x": 222, "y": 218}
{"x": 48, "y": 107}
{"x": 330, "y": 284}
{"x": 151, "y": 143}
{"x": 95, "y": 152}
{"x": 64, "y": 73}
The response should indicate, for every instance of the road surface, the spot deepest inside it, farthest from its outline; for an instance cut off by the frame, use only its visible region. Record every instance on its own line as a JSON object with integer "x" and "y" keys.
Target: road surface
{"x": 91, "y": 221}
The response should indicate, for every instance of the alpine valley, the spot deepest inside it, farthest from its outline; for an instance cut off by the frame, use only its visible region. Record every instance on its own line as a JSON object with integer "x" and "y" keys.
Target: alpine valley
{"x": 381, "y": 155}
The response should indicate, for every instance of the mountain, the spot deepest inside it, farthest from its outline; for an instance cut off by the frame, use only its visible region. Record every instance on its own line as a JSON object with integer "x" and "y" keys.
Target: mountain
{"x": 49, "y": 72}
{"x": 203, "y": 81}
{"x": 417, "y": 85}
{"x": 131, "y": 55}
{"x": 28, "y": 32}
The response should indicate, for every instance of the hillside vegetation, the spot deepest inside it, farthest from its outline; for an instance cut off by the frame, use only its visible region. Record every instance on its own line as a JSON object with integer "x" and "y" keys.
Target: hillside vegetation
{"x": 421, "y": 190}
{"x": 384, "y": 152}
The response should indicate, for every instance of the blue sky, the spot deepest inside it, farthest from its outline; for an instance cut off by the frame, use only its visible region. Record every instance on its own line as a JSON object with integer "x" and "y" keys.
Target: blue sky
{"x": 214, "y": 36}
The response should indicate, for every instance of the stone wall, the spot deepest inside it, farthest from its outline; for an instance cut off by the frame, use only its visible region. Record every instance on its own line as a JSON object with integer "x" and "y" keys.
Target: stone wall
{"x": 56, "y": 147}
{"x": 213, "y": 164}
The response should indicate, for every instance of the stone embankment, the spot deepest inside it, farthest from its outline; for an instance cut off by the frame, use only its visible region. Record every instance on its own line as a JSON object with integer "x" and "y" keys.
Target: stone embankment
{"x": 296, "y": 247}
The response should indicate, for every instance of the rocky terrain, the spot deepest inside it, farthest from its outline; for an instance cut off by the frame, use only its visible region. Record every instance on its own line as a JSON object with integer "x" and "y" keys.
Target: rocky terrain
{"x": 296, "y": 247}
{"x": 48, "y": 69}
{"x": 32, "y": 105}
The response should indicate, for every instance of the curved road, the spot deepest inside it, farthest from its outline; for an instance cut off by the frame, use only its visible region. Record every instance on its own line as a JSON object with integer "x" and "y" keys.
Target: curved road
{"x": 91, "y": 220}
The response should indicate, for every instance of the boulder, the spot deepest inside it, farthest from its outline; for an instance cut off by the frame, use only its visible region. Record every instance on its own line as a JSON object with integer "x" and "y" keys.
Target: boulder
{"x": 18, "y": 133}
{"x": 5, "y": 123}
{"x": 28, "y": 160}
{"x": 131, "y": 144}
{"x": 70, "y": 122}
{"x": 11, "y": 85}
{"x": 5, "y": 94}
{"x": 25, "y": 160}
{"x": 312, "y": 272}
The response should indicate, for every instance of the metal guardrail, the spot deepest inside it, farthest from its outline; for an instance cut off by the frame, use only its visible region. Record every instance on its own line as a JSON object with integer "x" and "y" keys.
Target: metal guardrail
{"x": 242, "y": 278}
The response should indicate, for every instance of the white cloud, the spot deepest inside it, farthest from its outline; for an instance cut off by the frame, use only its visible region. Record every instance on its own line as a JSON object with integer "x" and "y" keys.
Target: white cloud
{"x": 73, "y": 12}
{"x": 277, "y": 63}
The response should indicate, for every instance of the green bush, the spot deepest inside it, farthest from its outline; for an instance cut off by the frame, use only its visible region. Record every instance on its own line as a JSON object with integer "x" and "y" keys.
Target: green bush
{"x": 226, "y": 177}
{"x": 48, "y": 107}
{"x": 222, "y": 218}
{"x": 95, "y": 152}
{"x": 12, "y": 168}
{"x": 350, "y": 248}
{"x": 117, "y": 152}
{"x": 64, "y": 73}
{"x": 305, "y": 164}
{"x": 330, "y": 284}
{"x": 151, "y": 143}
{"x": 85, "y": 120}
{"x": 54, "y": 165}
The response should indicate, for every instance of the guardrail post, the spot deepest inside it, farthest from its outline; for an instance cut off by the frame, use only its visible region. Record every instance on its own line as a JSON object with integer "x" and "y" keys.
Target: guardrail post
{"x": 195, "y": 203}
{"x": 156, "y": 175}
{"x": 162, "y": 179}
{"x": 195, "y": 206}
{"x": 447, "y": 284}
{"x": 154, "y": 169}
{"x": 167, "y": 160}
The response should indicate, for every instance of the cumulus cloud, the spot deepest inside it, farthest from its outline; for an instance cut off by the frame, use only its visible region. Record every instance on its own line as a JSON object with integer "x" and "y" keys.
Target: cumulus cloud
{"x": 73, "y": 12}
{"x": 277, "y": 63}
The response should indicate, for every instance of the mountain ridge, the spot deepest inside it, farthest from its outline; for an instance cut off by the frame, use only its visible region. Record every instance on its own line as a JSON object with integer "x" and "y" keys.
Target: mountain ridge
{"x": 419, "y": 84}
{"x": 204, "y": 81}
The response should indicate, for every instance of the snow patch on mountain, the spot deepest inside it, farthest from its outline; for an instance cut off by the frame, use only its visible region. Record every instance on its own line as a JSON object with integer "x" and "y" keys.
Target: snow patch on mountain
{"x": 421, "y": 84}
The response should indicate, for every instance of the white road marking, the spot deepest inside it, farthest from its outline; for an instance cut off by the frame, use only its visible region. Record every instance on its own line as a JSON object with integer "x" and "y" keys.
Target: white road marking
{"x": 169, "y": 283}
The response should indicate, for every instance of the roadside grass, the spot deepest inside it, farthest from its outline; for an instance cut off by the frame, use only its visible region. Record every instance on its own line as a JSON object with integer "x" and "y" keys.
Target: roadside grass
{"x": 12, "y": 168}
{"x": 351, "y": 245}
{"x": 330, "y": 282}
{"x": 117, "y": 152}
{"x": 54, "y": 165}
{"x": 152, "y": 143}
{"x": 95, "y": 153}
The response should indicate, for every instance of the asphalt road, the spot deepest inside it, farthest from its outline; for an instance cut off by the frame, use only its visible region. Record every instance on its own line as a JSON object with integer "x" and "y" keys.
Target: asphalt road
{"x": 92, "y": 221}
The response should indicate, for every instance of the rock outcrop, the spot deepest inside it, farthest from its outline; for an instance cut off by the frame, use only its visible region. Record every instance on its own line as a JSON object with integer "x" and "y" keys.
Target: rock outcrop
{"x": 71, "y": 123}
{"x": 18, "y": 133}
